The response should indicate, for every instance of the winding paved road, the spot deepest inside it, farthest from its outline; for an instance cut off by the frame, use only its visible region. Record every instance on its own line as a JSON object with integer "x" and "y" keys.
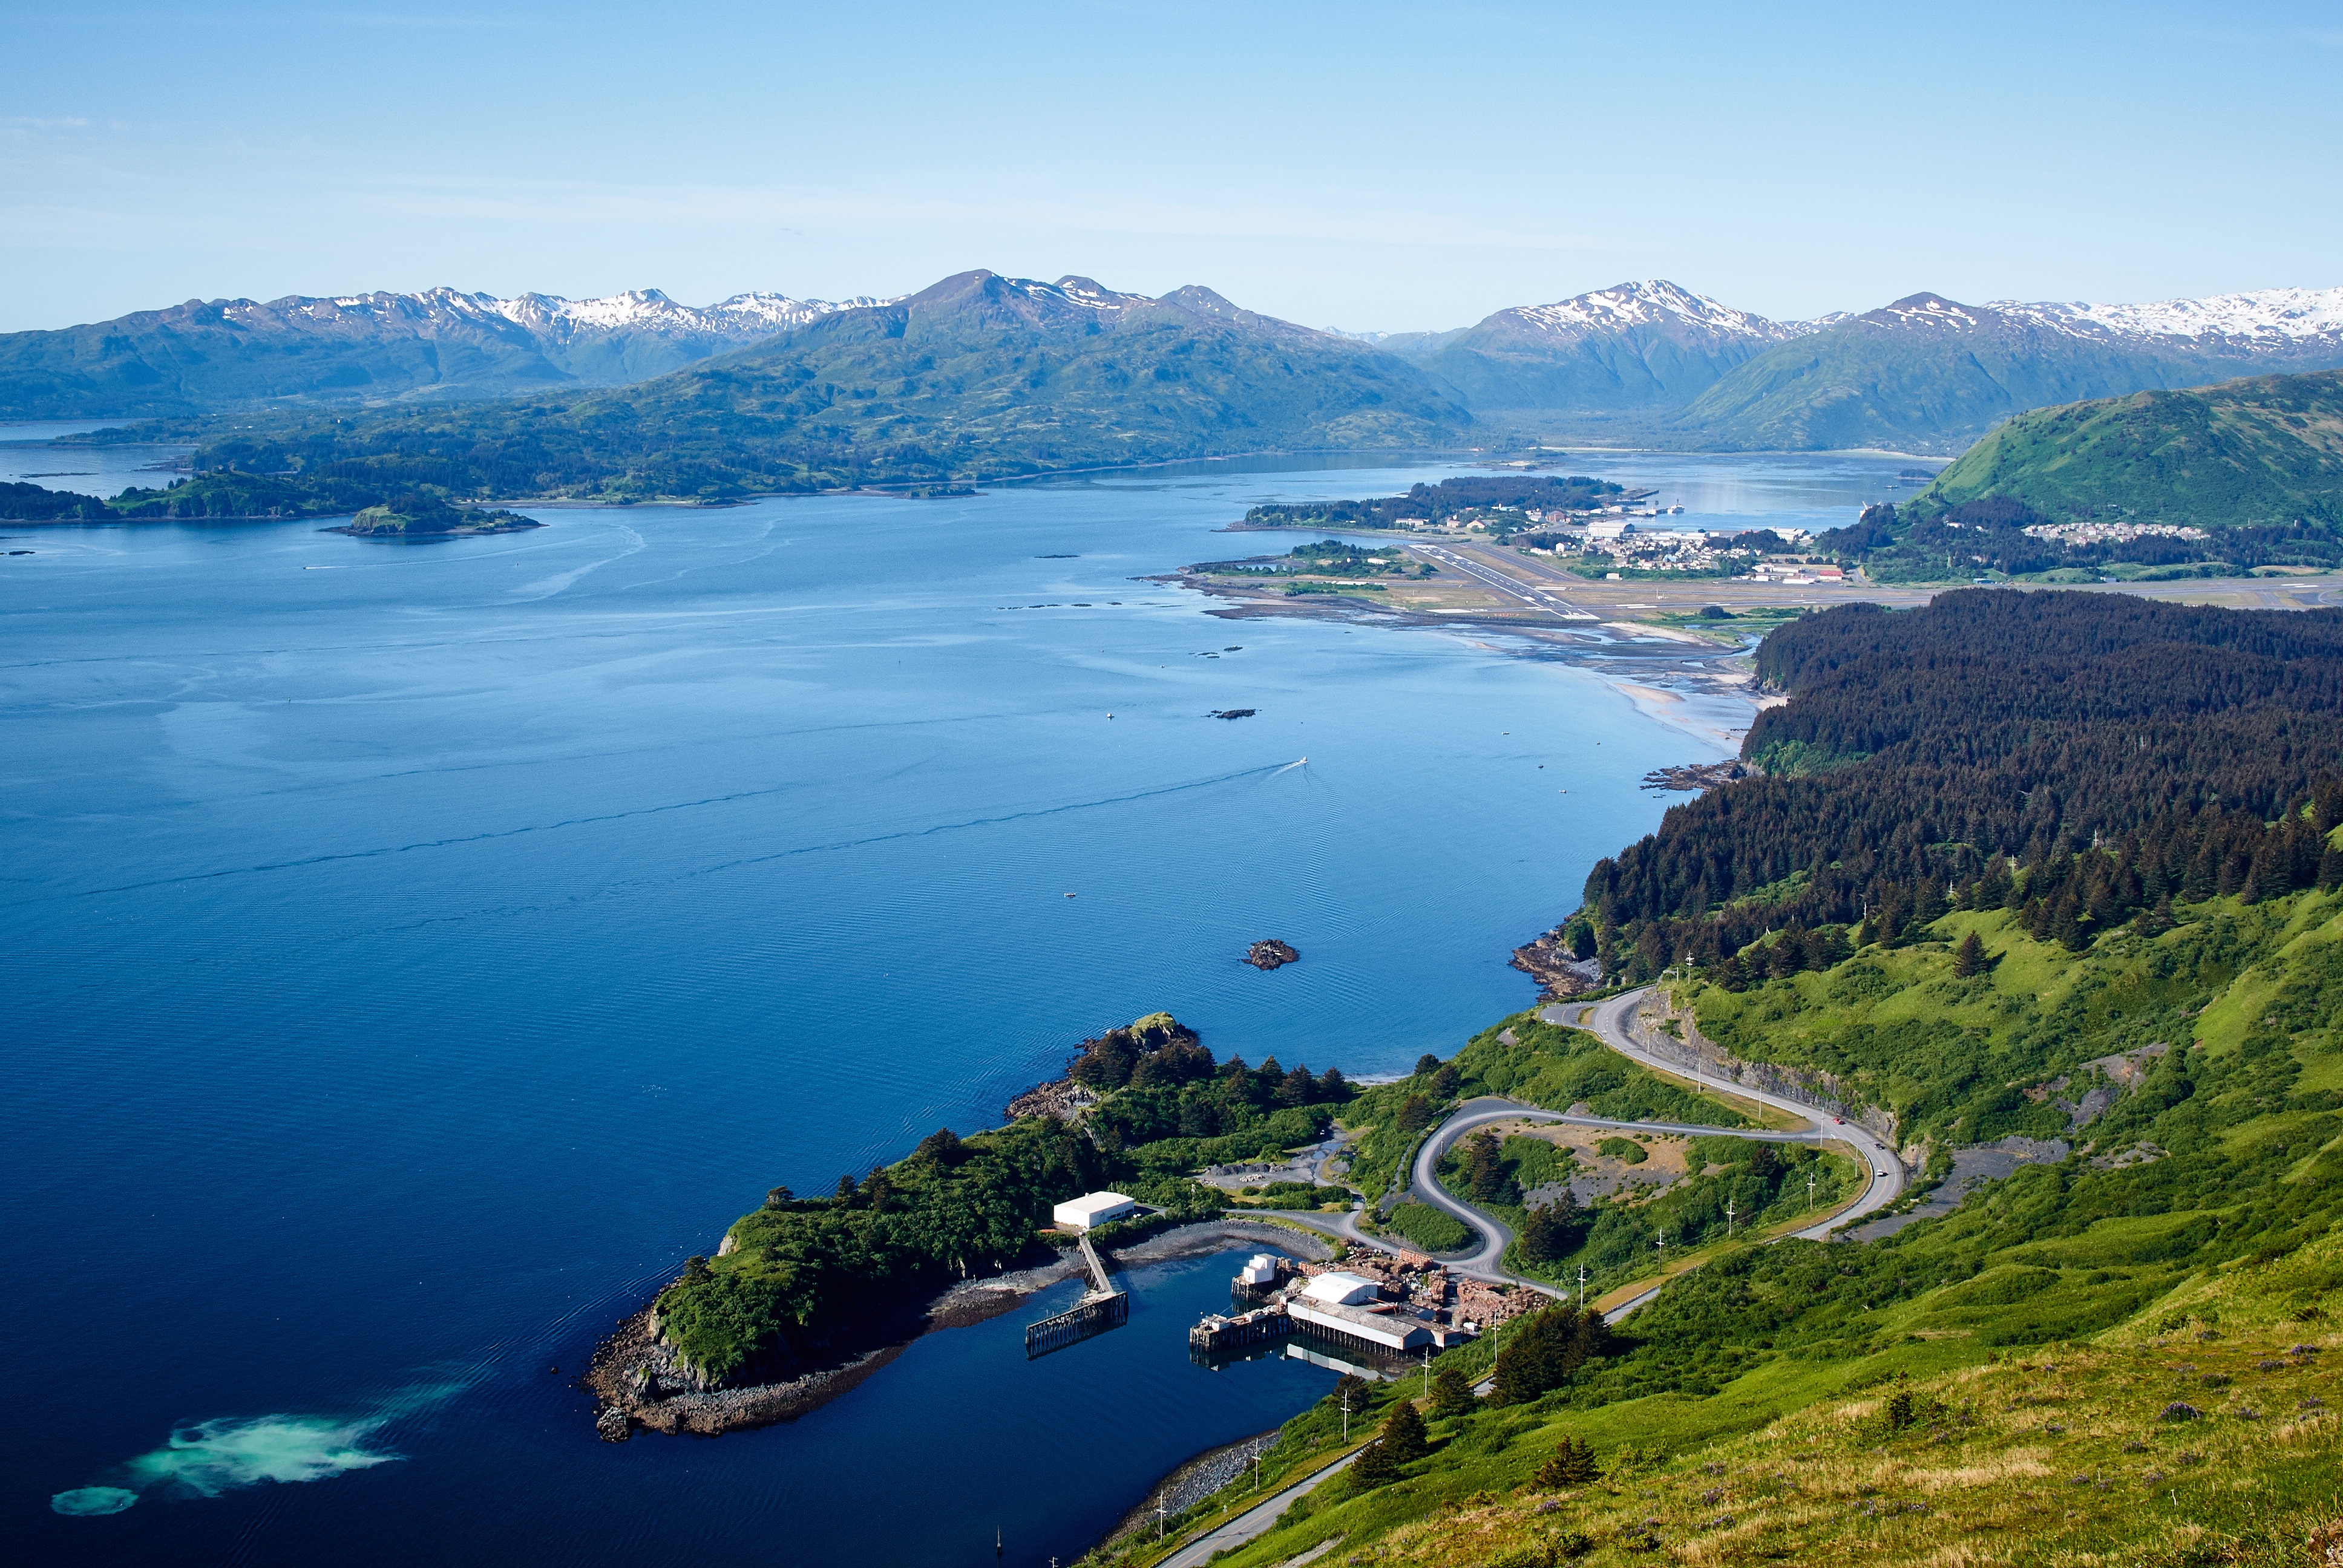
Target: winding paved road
{"x": 1609, "y": 1024}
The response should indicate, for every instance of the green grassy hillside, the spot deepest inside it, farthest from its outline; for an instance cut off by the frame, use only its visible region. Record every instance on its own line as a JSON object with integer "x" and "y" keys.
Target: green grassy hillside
{"x": 2129, "y": 1355}
{"x": 2261, "y": 452}
{"x": 2208, "y": 482}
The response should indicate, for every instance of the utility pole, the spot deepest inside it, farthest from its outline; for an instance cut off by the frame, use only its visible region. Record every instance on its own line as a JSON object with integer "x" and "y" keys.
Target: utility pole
{"x": 1810, "y": 1192}
{"x": 1158, "y": 1518}
{"x": 1582, "y": 1287}
{"x": 1427, "y": 1371}
{"x": 1728, "y": 1219}
{"x": 1661, "y": 1243}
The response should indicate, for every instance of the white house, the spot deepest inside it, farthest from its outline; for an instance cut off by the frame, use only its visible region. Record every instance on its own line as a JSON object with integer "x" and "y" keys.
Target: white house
{"x": 1092, "y": 1208}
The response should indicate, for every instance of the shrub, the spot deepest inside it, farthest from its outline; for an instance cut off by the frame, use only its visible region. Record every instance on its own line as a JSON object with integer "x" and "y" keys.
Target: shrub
{"x": 1430, "y": 1229}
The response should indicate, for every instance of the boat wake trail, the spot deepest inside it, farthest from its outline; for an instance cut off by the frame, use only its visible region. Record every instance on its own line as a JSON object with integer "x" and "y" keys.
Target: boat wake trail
{"x": 308, "y": 861}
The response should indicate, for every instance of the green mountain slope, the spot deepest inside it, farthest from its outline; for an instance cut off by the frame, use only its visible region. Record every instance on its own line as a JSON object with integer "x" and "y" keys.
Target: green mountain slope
{"x": 2123, "y": 1351}
{"x": 981, "y": 377}
{"x": 2248, "y": 473}
{"x": 2263, "y": 451}
{"x": 1927, "y": 374}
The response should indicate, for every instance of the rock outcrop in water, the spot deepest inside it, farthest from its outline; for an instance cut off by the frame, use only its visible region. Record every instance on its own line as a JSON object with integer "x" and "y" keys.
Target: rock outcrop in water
{"x": 1271, "y": 954}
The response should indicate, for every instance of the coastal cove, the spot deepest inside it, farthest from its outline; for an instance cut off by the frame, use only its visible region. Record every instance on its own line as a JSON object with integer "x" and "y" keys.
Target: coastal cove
{"x": 422, "y": 950}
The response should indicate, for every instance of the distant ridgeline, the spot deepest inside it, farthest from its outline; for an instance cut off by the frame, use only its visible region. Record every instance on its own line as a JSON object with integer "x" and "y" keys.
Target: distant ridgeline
{"x": 2157, "y": 484}
{"x": 1436, "y": 503}
{"x": 978, "y": 378}
{"x": 797, "y": 1270}
{"x": 2083, "y": 758}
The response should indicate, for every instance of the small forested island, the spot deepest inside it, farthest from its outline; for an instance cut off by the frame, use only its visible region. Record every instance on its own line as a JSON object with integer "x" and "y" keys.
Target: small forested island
{"x": 425, "y": 518}
{"x": 231, "y": 495}
{"x": 1497, "y": 502}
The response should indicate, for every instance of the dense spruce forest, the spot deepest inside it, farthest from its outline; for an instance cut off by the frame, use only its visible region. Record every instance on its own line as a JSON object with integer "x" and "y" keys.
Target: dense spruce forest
{"x": 1437, "y": 503}
{"x": 2080, "y": 757}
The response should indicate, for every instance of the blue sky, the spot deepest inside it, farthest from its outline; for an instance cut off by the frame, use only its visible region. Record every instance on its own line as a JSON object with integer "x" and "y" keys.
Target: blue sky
{"x": 1357, "y": 165}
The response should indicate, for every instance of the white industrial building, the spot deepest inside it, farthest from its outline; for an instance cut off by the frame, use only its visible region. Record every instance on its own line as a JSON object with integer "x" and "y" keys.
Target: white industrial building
{"x": 1610, "y": 529}
{"x": 1386, "y": 1330}
{"x": 1260, "y": 1268}
{"x": 1092, "y": 1208}
{"x": 1340, "y": 1290}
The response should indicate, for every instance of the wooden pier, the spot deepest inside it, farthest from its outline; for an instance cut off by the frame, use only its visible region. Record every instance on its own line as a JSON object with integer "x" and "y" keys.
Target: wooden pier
{"x": 1102, "y": 1309}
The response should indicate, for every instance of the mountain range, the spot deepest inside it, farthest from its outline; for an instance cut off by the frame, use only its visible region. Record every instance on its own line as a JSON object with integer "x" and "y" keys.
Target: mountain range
{"x": 1670, "y": 367}
{"x": 981, "y": 377}
{"x": 211, "y": 355}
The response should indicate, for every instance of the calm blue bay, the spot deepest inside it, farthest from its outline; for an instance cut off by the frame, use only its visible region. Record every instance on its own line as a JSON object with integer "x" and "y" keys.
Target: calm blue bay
{"x": 415, "y": 952}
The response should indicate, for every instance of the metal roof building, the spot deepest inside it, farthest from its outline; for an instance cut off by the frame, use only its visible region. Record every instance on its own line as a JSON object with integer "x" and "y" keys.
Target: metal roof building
{"x": 1092, "y": 1208}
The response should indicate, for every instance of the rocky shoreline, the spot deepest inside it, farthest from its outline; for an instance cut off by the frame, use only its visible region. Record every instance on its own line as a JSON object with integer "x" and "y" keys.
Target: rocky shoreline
{"x": 1559, "y": 974}
{"x": 638, "y": 1383}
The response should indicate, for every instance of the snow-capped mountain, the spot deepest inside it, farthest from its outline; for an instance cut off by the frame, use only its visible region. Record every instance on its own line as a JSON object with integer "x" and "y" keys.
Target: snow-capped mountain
{"x": 744, "y": 318}
{"x": 1651, "y": 303}
{"x": 206, "y": 355}
{"x": 1928, "y": 374}
{"x": 2273, "y": 318}
{"x": 1087, "y": 305}
{"x": 1633, "y": 347}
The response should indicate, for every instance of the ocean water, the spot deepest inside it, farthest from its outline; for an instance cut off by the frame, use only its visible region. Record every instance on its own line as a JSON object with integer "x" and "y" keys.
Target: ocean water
{"x": 26, "y": 458}
{"x": 415, "y": 951}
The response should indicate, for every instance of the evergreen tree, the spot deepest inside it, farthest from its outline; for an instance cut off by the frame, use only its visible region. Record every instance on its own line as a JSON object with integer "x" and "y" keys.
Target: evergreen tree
{"x": 1572, "y": 1464}
{"x": 1445, "y": 1082}
{"x": 1486, "y": 1175}
{"x": 1426, "y": 1064}
{"x": 1374, "y": 1466}
{"x": 1452, "y": 1393}
{"x": 1970, "y": 958}
{"x": 1545, "y": 1350}
{"x": 1404, "y": 1438}
{"x": 1544, "y": 1232}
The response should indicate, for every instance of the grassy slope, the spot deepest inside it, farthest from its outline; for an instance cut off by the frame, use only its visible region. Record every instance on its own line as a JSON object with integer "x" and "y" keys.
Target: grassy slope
{"x": 2264, "y": 450}
{"x": 1547, "y": 1065}
{"x": 2042, "y": 1329}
